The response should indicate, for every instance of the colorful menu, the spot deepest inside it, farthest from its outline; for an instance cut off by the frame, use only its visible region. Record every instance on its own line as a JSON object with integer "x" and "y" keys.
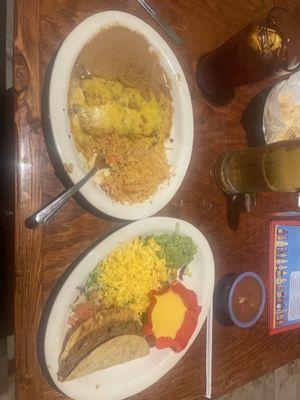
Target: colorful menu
{"x": 284, "y": 264}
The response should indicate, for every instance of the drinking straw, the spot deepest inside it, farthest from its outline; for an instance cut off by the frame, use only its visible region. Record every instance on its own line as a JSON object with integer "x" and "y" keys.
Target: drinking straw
{"x": 209, "y": 322}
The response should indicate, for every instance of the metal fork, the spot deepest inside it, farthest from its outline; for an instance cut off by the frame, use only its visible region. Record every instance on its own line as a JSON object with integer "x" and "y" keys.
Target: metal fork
{"x": 42, "y": 216}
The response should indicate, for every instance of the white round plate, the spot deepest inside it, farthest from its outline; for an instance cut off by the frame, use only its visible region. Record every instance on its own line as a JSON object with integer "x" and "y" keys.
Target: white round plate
{"x": 178, "y": 152}
{"x": 127, "y": 379}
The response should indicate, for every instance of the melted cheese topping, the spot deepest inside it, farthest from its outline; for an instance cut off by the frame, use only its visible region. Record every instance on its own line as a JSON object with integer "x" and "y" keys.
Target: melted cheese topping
{"x": 99, "y": 107}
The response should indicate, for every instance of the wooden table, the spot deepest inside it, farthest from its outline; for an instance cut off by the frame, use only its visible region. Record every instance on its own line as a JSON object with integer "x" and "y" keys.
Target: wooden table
{"x": 43, "y": 254}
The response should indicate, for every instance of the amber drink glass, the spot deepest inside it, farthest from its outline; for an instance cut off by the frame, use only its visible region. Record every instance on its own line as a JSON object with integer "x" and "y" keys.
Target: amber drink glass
{"x": 267, "y": 47}
{"x": 273, "y": 167}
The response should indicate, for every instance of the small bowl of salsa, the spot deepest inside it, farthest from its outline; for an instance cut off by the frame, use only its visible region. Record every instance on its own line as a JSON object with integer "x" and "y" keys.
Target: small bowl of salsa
{"x": 244, "y": 298}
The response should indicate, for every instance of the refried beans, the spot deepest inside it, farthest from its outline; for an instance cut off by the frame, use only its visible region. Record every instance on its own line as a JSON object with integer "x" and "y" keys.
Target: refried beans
{"x": 118, "y": 53}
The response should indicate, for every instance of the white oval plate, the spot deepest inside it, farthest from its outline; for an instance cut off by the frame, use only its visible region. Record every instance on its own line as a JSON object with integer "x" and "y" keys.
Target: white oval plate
{"x": 179, "y": 152}
{"x": 127, "y": 379}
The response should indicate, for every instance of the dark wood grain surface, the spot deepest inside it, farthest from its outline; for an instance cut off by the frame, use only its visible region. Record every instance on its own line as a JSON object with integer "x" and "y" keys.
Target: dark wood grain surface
{"x": 43, "y": 254}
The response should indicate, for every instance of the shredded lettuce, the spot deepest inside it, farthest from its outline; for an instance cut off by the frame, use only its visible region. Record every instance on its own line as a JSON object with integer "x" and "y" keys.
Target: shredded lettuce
{"x": 92, "y": 280}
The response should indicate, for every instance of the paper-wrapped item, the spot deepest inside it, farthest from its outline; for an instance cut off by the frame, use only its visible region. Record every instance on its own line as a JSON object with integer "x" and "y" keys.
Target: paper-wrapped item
{"x": 282, "y": 111}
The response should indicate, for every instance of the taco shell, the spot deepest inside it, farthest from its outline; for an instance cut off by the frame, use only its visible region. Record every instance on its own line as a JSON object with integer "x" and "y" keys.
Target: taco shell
{"x": 115, "y": 351}
{"x": 89, "y": 337}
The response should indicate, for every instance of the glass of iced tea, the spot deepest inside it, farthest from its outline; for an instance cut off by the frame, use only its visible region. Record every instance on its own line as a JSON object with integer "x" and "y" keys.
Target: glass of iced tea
{"x": 266, "y": 47}
{"x": 274, "y": 167}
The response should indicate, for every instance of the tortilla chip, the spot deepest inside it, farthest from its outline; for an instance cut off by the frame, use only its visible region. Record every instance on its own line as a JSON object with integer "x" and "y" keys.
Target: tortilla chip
{"x": 115, "y": 351}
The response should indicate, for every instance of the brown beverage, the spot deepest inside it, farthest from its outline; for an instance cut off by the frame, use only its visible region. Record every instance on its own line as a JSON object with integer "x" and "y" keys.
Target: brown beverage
{"x": 266, "y": 47}
{"x": 273, "y": 167}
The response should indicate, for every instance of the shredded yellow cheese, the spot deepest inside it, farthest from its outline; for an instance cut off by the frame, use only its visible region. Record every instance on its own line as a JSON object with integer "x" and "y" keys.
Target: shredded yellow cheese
{"x": 130, "y": 272}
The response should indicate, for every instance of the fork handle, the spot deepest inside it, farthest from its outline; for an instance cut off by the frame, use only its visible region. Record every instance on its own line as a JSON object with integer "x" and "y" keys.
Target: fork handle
{"x": 46, "y": 213}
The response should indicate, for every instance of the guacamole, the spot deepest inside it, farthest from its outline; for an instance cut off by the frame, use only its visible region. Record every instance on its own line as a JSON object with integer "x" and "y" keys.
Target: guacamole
{"x": 177, "y": 250}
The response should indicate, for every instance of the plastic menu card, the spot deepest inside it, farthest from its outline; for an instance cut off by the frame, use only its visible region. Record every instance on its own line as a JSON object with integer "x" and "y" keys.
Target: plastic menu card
{"x": 284, "y": 265}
